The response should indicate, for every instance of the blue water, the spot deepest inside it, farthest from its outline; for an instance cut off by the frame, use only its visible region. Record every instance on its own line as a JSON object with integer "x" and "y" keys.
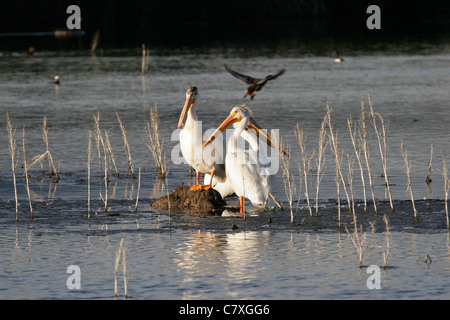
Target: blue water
{"x": 174, "y": 256}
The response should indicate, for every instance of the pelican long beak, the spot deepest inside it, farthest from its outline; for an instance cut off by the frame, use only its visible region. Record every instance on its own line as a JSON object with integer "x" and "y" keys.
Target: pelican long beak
{"x": 187, "y": 105}
{"x": 223, "y": 126}
{"x": 267, "y": 138}
{"x": 252, "y": 125}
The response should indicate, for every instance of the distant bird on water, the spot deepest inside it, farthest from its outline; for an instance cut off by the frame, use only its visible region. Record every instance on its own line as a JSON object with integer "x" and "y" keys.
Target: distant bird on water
{"x": 337, "y": 58}
{"x": 255, "y": 83}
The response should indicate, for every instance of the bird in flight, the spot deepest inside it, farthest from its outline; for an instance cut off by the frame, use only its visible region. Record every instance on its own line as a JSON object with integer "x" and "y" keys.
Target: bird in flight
{"x": 255, "y": 83}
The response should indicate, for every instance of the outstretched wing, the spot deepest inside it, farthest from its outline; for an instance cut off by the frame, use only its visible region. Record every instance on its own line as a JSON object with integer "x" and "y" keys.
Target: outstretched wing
{"x": 240, "y": 76}
{"x": 271, "y": 77}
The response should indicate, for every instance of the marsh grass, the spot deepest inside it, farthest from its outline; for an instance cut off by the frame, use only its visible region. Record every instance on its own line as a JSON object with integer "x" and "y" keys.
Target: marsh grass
{"x": 381, "y": 137}
{"x": 444, "y": 172}
{"x": 47, "y": 154}
{"x": 357, "y": 151}
{"x": 89, "y": 172}
{"x": 126, "y": 146}
{"x": 13, "y": 152}
{"x": 388, "y": 238}
{"x": 288, "y": 176}
{"x": 362, "y": 132}
{"x": 25, "y": 166}
{"x": 320, "y": 160}
{"x": 155, "y": 143}
{"x": 339, "y": 178}
{"x": 121, "y": 253}
{"x": 306, "y": 164}
{"x": 408, "y": 177}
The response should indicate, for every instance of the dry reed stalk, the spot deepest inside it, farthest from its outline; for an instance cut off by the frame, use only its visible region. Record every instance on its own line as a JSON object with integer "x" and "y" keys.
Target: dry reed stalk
{"x": 428, "y": 180}
{"x": 89, "y": 173}
{"x": 320, "y": 161}
{"x": 111, "y": 153}
{"x": 98, "y": 137}
{"x": 94, "y": 41}
{"x": 51, "y": 164}
{"x": 139, "y": 189}
{"x": 25, "y": 166}
{"x": 388, "y": 237}
{"x": 143, "y": 59}
{"x": 13, "y": 151}
{"x": 362, "y": 132}
{"x": 334, "y": 146}
{"x": 408, "y": 176}
{"x": 350, "y": 182}
{"x": 105, "y": 153}
{"x": 126, "y": 146}
{"x": 306, "y": 163}
{"x": 358, "y": 239}
{"x": 155, "y": 143}
{"x": 358, "y": 157}
{"x": 444, "y": 172}
{"x": 288, "y": 177}
{"x": 121, "y": 253}
{"x": 381, "y": 137}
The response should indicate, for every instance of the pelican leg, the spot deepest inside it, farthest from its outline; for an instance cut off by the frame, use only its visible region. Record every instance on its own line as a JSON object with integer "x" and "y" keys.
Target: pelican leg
{"x": 241, "y": 205}
{"x": 198, "y": 185}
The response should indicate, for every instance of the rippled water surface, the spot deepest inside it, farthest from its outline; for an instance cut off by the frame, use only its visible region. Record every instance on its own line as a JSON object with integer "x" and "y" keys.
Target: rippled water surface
{"x": 172, "y": 255}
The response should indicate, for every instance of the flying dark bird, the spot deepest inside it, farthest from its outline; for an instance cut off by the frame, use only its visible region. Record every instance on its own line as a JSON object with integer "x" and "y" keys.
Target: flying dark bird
{"x": 255, "y": 83}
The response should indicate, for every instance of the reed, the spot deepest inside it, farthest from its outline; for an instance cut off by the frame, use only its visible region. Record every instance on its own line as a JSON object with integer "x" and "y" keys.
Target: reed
{"x": 89, "y": 173}
{"x": 388, "y": 238}
{"x": 126, "y": 146}
{"x": 25, "y": 166}
{"x": 350, "y": 183}
{"x": 362, "y": 132}
{"x": 306, "y": 162}
{"x": 155, "y": 143}
{"x": 13, "y": 151}
{"x": 359, "y": 239}
{"x": 138, "y": 191}
{"x": 444, "y": 172}
{"x": 106, "y": 180}
{"x": 145, "y": 59}
{"x": 381, "y": 137}
{"x": 428, "y": 179}
{"x": 288, "y": 177}
{"x": 408, "y": 177}
{"x": 357, "y": 151}
{"x": 320, "y": 161}
{"x": 94, "y": 41}
{"x": 51, "y": 164}
{"x": 98, "y": 138}
{"x": 121, "y": 253}
{"x": 334, "y": 146}
{"x": 111, "y": 153}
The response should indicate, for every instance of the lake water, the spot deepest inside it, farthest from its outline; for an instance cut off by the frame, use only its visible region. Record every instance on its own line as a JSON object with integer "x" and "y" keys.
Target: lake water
{"x": 173, "y": 255}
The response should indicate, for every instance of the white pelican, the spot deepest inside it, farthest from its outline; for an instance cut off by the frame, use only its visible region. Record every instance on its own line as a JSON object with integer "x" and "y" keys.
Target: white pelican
{"x": 244, "y": 171}
{"x": 191, "y": 142}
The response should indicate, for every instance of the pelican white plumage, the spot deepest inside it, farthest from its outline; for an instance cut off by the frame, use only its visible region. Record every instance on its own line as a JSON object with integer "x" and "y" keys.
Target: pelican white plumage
{"x": 244, "y": 170}
{"x": 191, "y": 142}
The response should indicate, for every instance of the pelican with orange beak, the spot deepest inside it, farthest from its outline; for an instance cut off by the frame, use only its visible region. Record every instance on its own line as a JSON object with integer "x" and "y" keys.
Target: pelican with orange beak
{"x": 244, "y": 170}
{"x": 191, "y": 142}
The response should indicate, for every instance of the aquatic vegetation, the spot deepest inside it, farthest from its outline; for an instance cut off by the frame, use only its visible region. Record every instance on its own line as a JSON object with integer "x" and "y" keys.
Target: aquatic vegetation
{"x": 12, "y": 152}
{"x": 155, "y": 143}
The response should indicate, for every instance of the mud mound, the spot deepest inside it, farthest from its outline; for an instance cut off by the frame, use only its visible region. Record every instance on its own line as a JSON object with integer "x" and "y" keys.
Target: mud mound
{"x": 183, "y": 198}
